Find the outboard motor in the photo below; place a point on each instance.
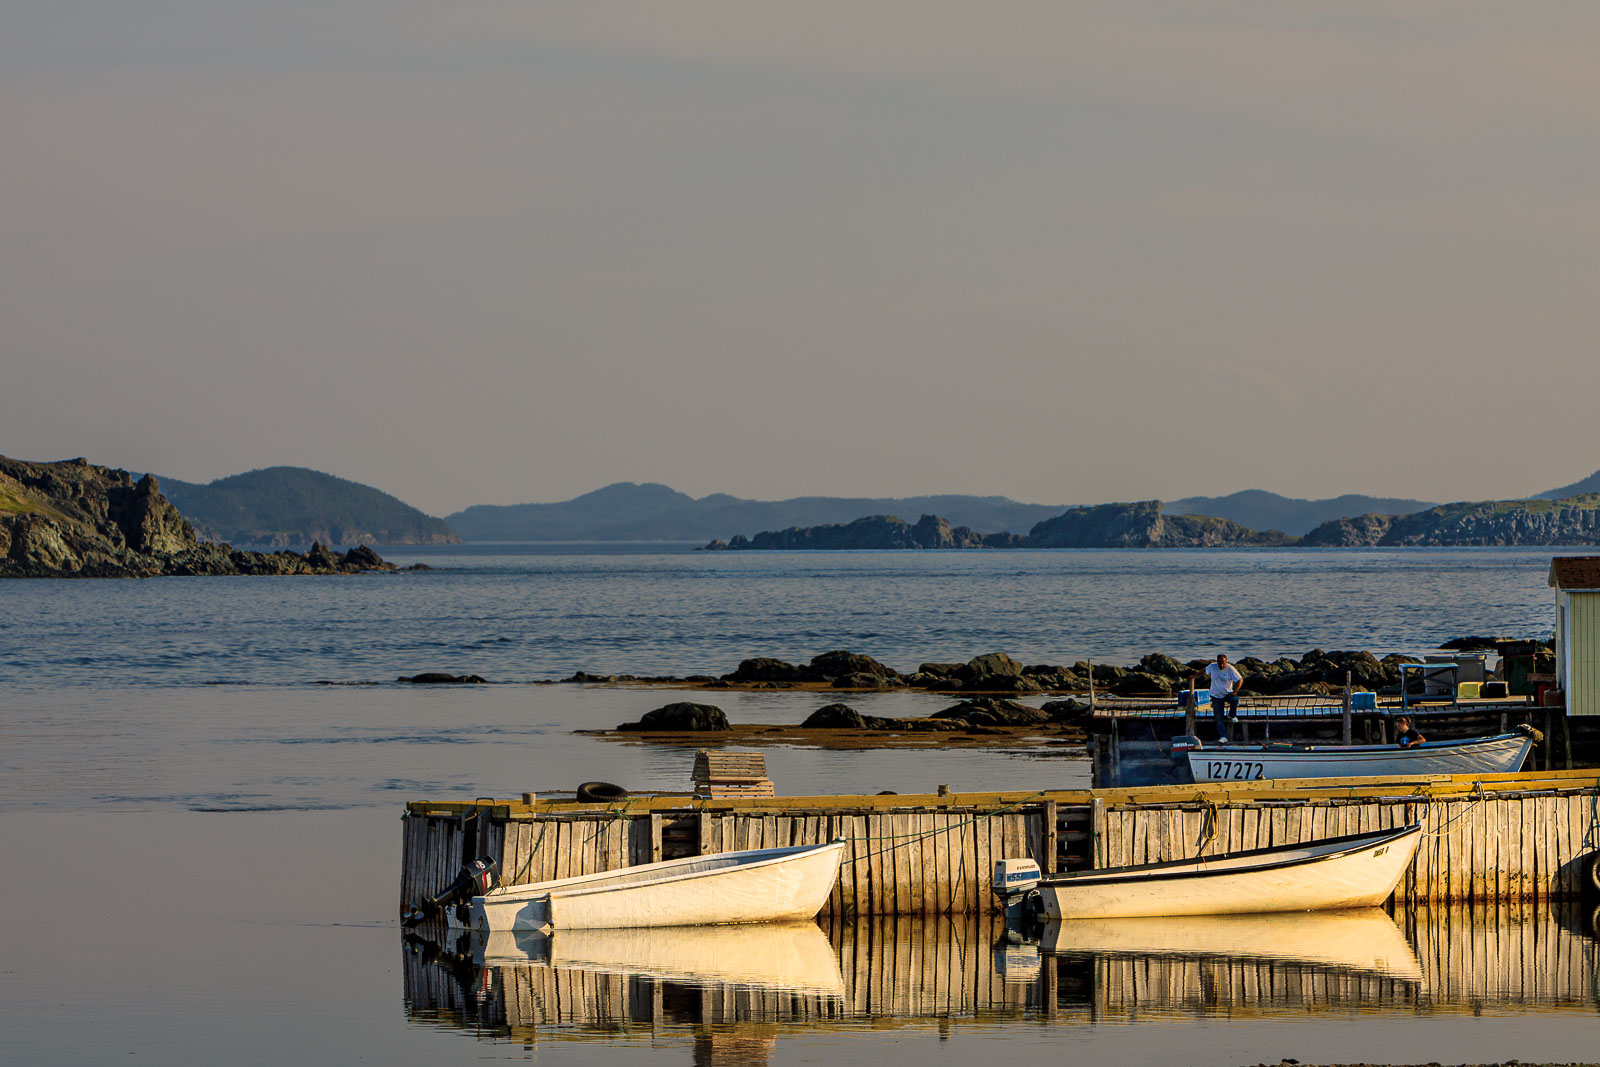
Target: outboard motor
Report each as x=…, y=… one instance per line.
x=476, y=878
x=1016, y=885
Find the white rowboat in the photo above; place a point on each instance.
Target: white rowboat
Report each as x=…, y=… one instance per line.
x=1501, y=754
x=1358, y=871
x=757, y=885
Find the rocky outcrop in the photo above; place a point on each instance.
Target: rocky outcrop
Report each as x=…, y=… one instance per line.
x=1140, y=525
x=835, y=717
x=1143, y=525
x=682, y=716
x=1573, y=521
x=990, y=711
x=871, y=532
x=74, y=519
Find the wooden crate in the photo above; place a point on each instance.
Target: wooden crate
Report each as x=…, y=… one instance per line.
x=731, y=774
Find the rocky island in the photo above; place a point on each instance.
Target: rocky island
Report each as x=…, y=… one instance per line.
x=1138, y=525
x=74, y=519
x=1569, y=521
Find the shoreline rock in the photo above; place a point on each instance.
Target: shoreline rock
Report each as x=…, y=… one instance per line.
x=1155, y=675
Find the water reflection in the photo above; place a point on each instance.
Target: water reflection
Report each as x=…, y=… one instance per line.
x=732, y=993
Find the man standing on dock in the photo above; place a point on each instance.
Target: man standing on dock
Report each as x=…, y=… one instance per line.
x=1225, y=683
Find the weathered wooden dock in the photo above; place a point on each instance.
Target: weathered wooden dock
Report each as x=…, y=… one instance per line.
x=1487, y=838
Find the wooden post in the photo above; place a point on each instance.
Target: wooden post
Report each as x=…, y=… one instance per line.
x=1097, y=831
x=1188, y=712
x=1566, y=739
x=1048, y=862
x=655, y=838
x=707, y=847
x=1091, y=685
x=1345, y=719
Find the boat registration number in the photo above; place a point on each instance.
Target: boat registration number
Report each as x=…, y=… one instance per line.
x=1234, y=770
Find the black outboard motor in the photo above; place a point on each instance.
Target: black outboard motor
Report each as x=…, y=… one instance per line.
x=476, y=878
x=1016, y=885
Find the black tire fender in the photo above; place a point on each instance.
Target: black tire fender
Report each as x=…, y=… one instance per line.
x=600, y=793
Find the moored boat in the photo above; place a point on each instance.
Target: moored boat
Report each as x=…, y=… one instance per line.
x=1500, y=754
x=756, y=885
x=1357, y=871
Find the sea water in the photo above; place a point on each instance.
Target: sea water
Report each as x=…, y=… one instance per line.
x=201, y=782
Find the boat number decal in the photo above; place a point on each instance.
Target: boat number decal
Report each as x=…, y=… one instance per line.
x=1236, y=770
x=1379, y=851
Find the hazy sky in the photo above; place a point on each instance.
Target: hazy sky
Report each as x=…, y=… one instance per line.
x=476, y=252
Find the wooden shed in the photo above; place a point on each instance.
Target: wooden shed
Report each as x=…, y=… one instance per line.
x=1576, y=580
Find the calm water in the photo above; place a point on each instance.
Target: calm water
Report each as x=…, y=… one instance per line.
x=203, y=839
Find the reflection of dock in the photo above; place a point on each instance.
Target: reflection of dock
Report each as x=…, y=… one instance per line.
x=916, y=971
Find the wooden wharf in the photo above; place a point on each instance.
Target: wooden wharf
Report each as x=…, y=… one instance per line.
x=1498, y=837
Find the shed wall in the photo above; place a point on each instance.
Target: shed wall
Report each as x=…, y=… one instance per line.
x=1582, y=653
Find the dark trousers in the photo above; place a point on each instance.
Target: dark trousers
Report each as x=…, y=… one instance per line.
x=1218, y=704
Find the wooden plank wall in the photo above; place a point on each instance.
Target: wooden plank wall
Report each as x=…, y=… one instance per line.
x=918, y=861
x=1499, y=847
x=899, y=862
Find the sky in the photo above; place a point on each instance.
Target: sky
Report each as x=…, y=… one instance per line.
x=489, y=253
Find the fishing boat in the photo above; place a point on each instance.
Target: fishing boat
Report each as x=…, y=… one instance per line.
x=756, y=885
x=1500, y=754
x=1356, y=871
x=776, y=956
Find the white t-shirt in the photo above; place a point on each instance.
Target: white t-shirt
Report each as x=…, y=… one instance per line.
x=1222, y=679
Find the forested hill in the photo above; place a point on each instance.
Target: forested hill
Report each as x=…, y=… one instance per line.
x=1584, y=487
x=281, y=506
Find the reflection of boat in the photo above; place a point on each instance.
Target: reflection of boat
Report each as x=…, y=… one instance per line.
x=756, y=885
x=1501, y=754
x=791, y=955
x=1357, y=871
x=1360, y=939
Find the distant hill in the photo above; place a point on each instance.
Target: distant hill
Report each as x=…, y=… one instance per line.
x=281, y=506
x=1588, y=485
x=627, y=511
x=1261, y=510
x=1571, y=521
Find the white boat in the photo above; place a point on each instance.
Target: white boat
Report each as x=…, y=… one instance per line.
x=1501, y=754
x=1363, y=940
x=757, y=885
x=1358, y=871
x=794, y=956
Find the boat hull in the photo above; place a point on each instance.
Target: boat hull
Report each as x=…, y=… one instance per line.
x=1355, y=872
x=759, y=885
x=1504, y=754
